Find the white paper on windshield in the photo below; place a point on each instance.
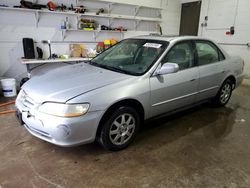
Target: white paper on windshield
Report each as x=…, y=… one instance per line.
x=152, y=45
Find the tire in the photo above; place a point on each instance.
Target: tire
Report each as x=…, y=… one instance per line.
x=120, y=129
x=224, y=93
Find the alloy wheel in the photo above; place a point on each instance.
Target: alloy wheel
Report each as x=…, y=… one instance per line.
x=225, y=93
x=122, y=129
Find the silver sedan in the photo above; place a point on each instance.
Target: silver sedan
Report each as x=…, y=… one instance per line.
x=108, y=98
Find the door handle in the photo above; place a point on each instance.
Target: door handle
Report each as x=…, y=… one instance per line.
x=192, y=80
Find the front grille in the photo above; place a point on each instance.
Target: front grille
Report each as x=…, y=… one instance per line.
x=26, y=101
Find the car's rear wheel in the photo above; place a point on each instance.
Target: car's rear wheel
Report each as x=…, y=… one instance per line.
x=120, y=128
x=224, y=93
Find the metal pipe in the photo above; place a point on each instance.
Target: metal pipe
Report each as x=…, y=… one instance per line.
x=235, y=44
x=217, y=29
x=7, y=112
x=7, y=103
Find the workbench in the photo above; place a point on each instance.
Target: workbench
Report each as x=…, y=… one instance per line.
x=41, y=62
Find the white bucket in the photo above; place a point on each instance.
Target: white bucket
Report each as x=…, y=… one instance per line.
x=9, y=87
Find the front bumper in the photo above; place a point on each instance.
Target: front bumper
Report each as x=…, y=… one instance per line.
x=60, y=131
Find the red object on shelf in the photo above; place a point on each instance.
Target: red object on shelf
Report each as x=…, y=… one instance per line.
x=100, y=47
x=52, y=6
x=101, y=44
x=228, y=33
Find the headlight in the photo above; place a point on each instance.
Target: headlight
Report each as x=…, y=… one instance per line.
x=64, y=110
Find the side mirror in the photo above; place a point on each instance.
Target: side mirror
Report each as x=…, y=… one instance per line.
x=167, y=68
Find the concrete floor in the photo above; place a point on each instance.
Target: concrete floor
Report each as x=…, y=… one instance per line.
x=202, y=147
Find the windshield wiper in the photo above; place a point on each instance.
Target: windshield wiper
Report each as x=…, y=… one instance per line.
x=94, y=63
x=87, y=61
x=110, y=68
x=118, y=70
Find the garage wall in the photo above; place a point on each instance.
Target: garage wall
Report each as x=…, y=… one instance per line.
x=15, y=26
x=222, y=14
x=171, y=15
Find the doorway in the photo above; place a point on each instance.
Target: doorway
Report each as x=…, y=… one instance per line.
x=190, y=15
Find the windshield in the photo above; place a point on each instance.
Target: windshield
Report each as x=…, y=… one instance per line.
x=131, y=56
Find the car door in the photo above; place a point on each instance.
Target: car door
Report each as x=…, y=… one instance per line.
x=176, y=90
x=211, y=69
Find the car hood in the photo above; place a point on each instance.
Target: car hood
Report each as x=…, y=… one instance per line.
x=65, y=83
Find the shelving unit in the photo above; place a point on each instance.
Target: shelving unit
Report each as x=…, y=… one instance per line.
x=110, y=17
x=91, y=14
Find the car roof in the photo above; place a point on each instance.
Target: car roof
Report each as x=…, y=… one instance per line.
x=176, y=38
x=169, y=38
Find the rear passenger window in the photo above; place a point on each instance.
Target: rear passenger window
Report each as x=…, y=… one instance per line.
x=181, y=54
x=221, y=56
x=207, y=53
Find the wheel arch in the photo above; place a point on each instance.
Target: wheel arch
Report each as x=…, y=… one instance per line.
x=125, y=102
x=232, y=79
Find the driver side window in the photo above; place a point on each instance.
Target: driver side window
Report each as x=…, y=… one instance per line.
x=181, y=54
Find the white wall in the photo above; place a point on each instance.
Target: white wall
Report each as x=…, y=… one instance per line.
x=223, y=14
x=171, y=15
x=15, y=26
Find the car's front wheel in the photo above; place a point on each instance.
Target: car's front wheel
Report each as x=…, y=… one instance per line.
x=120, y=128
